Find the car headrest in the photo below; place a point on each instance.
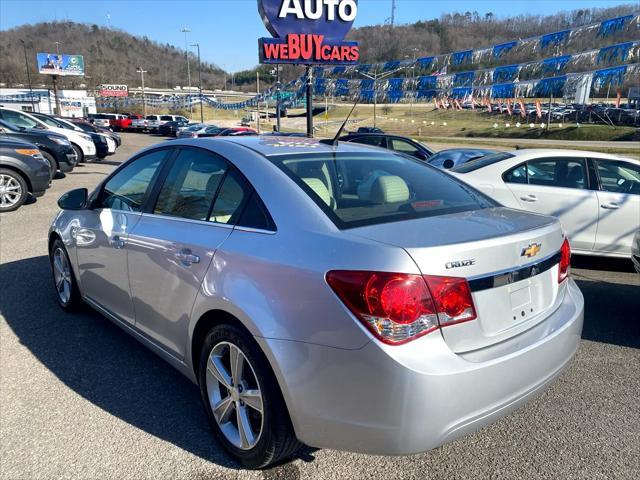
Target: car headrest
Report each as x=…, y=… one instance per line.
x=389, y=189
x=320, y=189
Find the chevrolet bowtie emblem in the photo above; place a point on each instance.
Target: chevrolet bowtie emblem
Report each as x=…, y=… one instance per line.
x=532, y=250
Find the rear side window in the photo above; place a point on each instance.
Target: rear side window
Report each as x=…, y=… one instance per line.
x=482, y=162
x=255, y=215
x=191, y=185
x=516, y=175
x=127, y=189
x=233, y=193
x=167, y=118
x=356, y=189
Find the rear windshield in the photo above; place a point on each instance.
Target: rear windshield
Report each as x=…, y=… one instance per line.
x=482, y=162
x=357, y=189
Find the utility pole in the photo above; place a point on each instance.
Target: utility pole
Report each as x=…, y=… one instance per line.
x=393, y=13
x=144, y=98
x=54, y=79
x=200, y=82
x=26, y=64
x=258, y=102
x=309, y=101
x=186, y=30
x=278, y=115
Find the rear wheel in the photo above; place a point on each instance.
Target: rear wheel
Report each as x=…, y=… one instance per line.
x=13, y=190
x=242, y=399
x=79, y=153
x=67, y=292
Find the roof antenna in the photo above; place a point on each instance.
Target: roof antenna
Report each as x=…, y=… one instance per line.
x=334, y=141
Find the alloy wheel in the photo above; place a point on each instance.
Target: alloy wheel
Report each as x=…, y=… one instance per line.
x=234, y=395
x=62, y=275
x=10, y=191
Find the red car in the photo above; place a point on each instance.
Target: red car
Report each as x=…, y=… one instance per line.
x=120, y=122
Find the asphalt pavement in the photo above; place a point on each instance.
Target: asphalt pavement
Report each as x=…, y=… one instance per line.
x=80, y=399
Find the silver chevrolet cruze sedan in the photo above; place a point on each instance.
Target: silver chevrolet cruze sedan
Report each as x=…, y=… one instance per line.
x=338, y=296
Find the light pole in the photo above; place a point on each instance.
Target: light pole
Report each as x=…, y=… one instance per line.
x=197, y=45
x=26, y=64
x=144, y=100
x=186, y=30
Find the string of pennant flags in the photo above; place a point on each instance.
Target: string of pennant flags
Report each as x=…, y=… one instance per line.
x=483, y=56
x=498, y=82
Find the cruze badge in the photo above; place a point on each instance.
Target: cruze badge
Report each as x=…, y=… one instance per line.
x=460, y=263
x=532, y=250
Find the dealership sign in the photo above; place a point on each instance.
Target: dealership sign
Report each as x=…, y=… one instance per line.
x=60, y=64
x=308, y=31
x=114, y=91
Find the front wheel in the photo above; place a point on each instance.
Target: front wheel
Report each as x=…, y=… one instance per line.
x=64, y=281
x=79, y=154
x=53, y=165
x=242, y=399
x=13, y=190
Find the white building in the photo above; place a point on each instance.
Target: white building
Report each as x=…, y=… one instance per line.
x=73, y=103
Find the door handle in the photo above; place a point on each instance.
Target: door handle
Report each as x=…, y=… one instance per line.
x=117, y=242
x=529, y=198
x=610, y=206
x=186, y=257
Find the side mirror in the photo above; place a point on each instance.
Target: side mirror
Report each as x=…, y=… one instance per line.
x=74, y=199
x=447, y=164
x=421, y=155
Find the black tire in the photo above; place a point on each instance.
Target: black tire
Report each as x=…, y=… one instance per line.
x=14, y=180
x=74, y=303
x=53, y=165
x=79, y=153
x=278, y=440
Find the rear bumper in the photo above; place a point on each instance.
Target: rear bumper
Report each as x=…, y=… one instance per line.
x=412, y=398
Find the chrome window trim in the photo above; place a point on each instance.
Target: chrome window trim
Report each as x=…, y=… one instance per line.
x=188, y=220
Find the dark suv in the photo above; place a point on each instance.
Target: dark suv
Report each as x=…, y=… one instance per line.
x=23, y=171
x=55, y=148
x=397, y=143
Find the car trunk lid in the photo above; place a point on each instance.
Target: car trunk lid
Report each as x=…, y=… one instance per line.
x=509, y=257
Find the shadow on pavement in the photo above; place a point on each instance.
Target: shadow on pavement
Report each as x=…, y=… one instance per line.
x=100, y=362
x=602, y=263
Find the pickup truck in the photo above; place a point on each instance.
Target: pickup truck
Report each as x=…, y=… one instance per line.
x=120, y=122
x=138, y=123
x=154, y=122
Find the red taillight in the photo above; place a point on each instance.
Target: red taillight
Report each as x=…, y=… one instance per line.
x=398, y=307
x=565, y=261
x=453, y=299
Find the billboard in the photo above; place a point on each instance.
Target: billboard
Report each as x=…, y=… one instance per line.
x=306, y=34
x=114, y=91
x=60, y=64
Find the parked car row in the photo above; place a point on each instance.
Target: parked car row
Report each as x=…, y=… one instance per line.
x=562, y=112
x=30, y=140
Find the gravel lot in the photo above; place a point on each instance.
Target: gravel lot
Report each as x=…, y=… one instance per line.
x=80, y=399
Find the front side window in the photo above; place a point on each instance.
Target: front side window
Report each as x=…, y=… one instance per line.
x=557, y=172
x=191, y=185
x=403, y=146
x=127, y=189
x=19, y=120
x=618, y=177
x=356, y=189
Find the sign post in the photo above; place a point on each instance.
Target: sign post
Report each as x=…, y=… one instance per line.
x=307, y=34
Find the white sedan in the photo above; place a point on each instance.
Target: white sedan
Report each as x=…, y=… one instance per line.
x=596, y=196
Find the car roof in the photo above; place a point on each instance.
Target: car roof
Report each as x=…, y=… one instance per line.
x=274, y=145
x=530, y=153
